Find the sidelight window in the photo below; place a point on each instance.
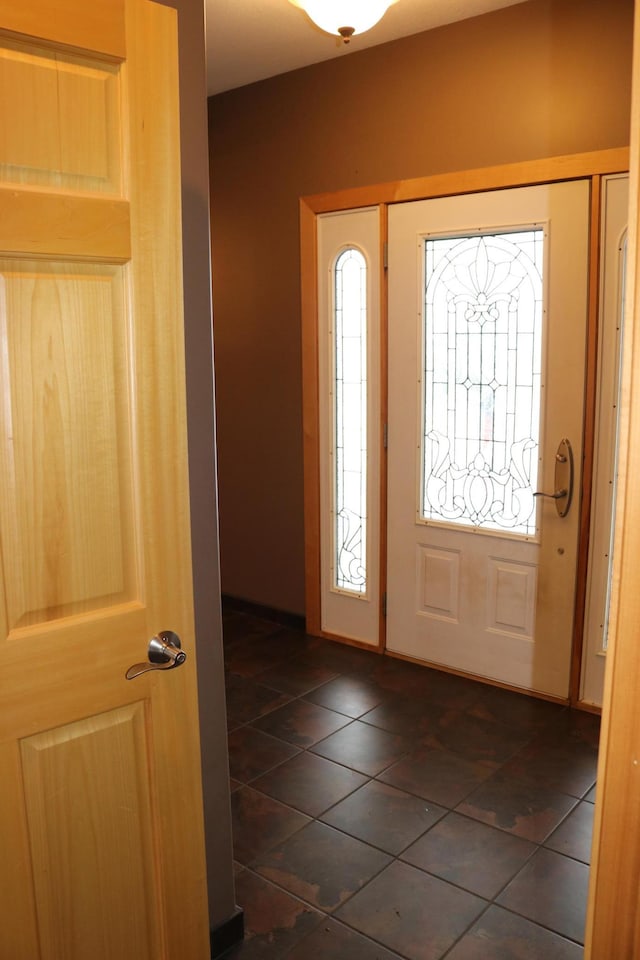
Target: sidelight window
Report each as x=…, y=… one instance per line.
x=350, y=421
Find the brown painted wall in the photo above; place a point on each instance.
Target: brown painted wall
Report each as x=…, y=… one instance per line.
x=542, y=78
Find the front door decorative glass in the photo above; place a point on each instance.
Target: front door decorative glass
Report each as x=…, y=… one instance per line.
x=350, y=422
x=482, y=355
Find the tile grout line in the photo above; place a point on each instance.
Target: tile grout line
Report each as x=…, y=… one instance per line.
x=535, y=732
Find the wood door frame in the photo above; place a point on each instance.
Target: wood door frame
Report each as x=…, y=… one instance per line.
x=592, y=166
x=613, y=916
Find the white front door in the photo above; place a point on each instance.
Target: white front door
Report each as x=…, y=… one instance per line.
x=487, y=322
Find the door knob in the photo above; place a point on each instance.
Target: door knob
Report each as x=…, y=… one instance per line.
x=164, y=653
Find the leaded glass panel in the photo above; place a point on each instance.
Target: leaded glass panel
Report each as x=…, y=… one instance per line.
x=482, y=378
x=350, y=417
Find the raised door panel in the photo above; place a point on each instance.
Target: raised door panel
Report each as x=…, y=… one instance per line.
x=73, y=138
x=65, y=469
x=89, y=814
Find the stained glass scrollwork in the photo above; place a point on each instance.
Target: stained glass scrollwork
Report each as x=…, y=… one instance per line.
x=350, y=421
x=482, y=356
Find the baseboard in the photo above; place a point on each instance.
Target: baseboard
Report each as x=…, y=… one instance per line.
x=235, y=605
x=227, y=935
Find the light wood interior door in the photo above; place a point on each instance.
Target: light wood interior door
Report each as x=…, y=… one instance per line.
x=100, y=810
x=487, y=313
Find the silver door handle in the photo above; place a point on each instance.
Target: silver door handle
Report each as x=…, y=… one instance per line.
x=164, y=653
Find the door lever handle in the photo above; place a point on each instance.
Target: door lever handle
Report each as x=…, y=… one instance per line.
x=558, y=495
x=563, y=479
x=164, y=653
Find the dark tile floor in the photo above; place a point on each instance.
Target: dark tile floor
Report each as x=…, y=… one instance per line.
x=383, y=810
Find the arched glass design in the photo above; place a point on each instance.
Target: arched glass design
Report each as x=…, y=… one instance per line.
x=483, y=312
x=350, y=422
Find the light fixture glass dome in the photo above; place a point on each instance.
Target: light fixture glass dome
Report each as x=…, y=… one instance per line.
x=345, y=17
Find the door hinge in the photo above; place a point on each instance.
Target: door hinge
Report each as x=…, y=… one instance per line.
x=385, y=435
x=384, y=604
x=385, y=255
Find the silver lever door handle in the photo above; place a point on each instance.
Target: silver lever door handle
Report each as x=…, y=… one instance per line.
x=164, y=653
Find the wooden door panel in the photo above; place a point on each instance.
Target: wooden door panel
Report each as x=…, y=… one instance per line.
x=79, y=793
x=99, y=25
x=73, y=139
x=101, y=808
x=66, y=474
x=58, y=225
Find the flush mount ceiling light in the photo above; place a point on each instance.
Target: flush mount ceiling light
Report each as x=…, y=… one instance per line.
x=344, y=17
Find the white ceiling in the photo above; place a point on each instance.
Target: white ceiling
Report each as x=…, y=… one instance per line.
x=249, y=40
